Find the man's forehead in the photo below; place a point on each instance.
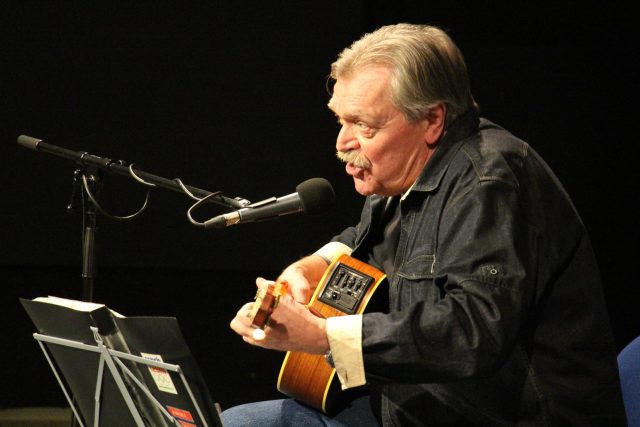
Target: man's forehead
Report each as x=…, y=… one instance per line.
x=337, y=93
x=370, y=84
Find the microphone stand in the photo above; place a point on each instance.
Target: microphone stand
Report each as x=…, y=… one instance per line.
x=94, y=181
x=90, y=178
x=91, y=175
x=120, y=167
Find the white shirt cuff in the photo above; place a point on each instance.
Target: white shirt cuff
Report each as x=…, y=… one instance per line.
x=332, y=250
x=345, y=339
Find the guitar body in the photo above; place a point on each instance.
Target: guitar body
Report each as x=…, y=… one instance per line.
x=345, y=288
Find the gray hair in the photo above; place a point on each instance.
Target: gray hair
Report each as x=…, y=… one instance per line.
x=427, y=66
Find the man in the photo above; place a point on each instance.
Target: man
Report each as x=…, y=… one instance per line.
x=496, y=315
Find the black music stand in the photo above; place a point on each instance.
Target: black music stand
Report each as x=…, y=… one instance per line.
x=117, y=370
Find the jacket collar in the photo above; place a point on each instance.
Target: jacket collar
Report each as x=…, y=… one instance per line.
x=464, y=126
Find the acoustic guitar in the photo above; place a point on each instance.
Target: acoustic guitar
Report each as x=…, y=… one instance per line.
x=346, y=287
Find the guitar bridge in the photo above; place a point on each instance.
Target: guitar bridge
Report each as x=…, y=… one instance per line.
x=346, y=288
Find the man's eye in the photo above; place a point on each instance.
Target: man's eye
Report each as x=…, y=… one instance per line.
x=362, y=125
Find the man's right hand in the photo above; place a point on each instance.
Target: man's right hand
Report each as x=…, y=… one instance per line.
x=303, y=276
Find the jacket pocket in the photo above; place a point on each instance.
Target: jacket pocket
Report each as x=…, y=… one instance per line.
x=414, y=282
x=420, y=267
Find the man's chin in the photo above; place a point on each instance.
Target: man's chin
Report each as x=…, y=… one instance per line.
x=362, y=187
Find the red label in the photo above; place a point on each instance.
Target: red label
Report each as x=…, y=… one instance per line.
x=180, y=413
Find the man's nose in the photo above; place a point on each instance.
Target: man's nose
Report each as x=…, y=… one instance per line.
x=346, y=139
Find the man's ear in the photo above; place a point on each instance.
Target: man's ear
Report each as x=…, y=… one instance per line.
x=435, y=124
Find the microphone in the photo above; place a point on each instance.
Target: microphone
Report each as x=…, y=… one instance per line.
x=312, y=196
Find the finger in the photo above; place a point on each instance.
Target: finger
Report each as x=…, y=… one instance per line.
x=300, y=294
x=245, y=308
x=261, y=282
x=241, y=323
x=252, y=341
x=290, y=302
x=245, y=311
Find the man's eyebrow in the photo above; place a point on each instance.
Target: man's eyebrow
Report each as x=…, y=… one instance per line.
x=350, y=116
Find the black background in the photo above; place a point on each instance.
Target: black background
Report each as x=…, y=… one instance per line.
x=231, y=96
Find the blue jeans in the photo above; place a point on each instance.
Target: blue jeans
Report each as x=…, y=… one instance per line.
x=288, y=412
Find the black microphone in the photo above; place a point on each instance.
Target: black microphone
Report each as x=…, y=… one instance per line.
x=312, y=196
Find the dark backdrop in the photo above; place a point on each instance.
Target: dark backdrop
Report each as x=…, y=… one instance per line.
x=231, y=96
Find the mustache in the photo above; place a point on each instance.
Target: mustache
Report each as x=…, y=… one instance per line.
x=355, y=157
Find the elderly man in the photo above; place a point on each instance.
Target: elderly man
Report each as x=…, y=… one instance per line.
x=496, y=315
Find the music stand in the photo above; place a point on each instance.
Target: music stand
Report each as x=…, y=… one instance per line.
x=104, y=380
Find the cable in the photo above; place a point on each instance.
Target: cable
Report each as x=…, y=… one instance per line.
x=102, y=211
x=198, y=203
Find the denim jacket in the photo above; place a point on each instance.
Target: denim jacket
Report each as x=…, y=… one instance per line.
x=496, y=313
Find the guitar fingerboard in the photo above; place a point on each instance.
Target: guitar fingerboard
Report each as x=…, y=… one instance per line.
x=346, y=288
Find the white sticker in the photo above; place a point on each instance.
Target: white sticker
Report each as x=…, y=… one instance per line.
x=160, y=376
